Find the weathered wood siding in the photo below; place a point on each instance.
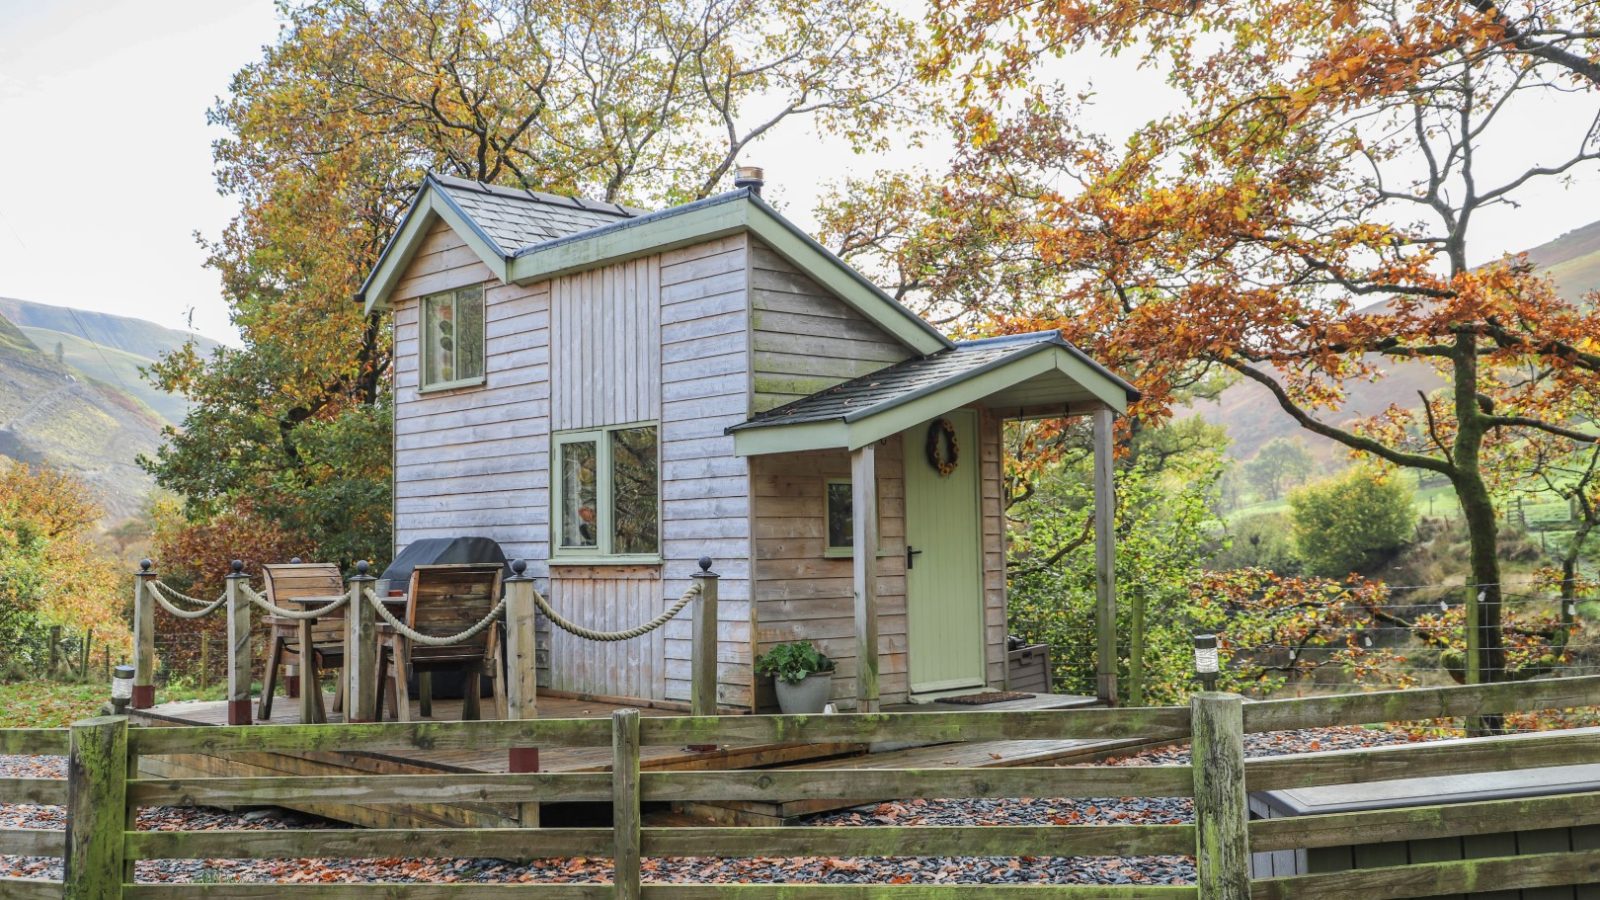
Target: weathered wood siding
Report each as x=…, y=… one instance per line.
x=803, y=339
x=659, y=338
x=705, y=504
x=605, y=348
x=805, y=595
x=474, y=461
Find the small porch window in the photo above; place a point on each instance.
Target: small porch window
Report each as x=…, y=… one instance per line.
x=839, y=518
x=451, y=339
x=605, y=495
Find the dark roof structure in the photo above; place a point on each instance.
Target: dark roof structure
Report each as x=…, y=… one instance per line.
x=903, y=382
x=514, y=219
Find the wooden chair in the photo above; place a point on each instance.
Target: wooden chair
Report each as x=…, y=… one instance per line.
x=298, y=582
x=444, y=600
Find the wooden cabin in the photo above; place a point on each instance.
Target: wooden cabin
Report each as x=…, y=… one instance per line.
x=612, y=394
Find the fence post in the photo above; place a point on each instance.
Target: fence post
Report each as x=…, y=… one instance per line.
x=522, y=674
x=97, y=778
x=144, y=638
x=625, y=801
x=1221, y=813
x=55, y=651
x=703, y=656
x=238, y=645
x=361, y=647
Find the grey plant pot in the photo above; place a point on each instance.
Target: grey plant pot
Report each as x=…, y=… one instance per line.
x=806, y=698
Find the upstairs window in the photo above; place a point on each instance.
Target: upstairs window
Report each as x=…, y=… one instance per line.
x=452, y=339
x=606, y=494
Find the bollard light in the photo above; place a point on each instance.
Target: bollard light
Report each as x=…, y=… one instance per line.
x=121, y=688
x=1205, y=660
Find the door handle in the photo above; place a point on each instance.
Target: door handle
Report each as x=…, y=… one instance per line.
x=911, y=556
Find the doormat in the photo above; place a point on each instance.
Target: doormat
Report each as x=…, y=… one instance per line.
x=986, y=697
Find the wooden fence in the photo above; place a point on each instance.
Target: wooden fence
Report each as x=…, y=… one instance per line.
x=100, y=849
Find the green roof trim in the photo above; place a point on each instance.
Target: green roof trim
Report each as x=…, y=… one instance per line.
x=430, y=205
x=719, y=216
x=735, y=212
x=893, y=409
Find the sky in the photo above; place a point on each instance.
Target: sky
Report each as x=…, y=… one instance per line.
x=105, y=153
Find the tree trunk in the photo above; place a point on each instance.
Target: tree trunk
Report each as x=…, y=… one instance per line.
x=1477, y=508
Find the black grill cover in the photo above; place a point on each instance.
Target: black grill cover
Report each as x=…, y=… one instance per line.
x=440, y=551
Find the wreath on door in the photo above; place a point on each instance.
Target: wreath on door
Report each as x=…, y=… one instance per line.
x=943, y=449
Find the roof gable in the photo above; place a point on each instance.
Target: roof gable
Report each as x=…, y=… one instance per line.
x=525, y=236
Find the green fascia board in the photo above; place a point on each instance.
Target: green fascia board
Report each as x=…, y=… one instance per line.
x=821, y=265
x=862, y=427
x=629, y=239
x=716, y=217
x=431, y=205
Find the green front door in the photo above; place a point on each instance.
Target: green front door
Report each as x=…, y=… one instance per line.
x=944, y=581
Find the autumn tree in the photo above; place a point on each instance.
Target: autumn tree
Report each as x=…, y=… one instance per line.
x=49, y=574
x=327, y=134
x=1303, y=220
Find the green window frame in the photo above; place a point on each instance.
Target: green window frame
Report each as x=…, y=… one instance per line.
x=605, y=494
x=450, y=339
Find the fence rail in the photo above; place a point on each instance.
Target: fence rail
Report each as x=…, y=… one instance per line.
x=100, y=849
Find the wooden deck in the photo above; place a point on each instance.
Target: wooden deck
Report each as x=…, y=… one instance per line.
x=596, y=759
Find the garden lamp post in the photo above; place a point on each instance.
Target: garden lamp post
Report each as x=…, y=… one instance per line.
x=121, y=688
x=1205, y=660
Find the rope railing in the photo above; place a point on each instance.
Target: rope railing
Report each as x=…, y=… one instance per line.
x=158, y=589
x=591, y=634
x=433, y=640
x=334, y=605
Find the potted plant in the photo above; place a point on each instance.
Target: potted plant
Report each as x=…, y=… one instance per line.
x=802, y=675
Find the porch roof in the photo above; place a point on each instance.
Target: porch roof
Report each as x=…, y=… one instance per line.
x=1027, y=373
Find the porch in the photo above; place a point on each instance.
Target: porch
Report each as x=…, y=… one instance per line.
x=879, y=514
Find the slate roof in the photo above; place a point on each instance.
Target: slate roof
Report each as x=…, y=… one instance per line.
x=905, y=381
x=515, y=219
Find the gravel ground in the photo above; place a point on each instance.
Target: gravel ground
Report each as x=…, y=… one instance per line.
x=985, y=870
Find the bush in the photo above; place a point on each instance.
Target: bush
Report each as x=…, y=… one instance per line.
x=1259, y=542
x=792, y=662
x=1352, y=523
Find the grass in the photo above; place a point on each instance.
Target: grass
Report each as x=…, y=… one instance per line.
x=49, y=704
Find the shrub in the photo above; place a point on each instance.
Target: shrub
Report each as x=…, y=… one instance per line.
x=1351, y=523
x=793, y=661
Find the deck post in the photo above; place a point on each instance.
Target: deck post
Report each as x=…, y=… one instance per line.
x=360, y=651
x=238, y=645
x=97, y=779
x=522, y=674
x=1221, y=813
x=1105, y=558
x=703, y=655
x=864, y=531
x=144, y=637
x=625, y=813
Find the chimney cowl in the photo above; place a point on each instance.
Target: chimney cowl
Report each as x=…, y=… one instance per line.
x=751, y=177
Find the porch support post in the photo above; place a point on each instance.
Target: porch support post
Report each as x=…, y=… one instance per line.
x=522, y=674
x=1105, y=558
x=864, y=509
x=239, y=664
x=144, y=637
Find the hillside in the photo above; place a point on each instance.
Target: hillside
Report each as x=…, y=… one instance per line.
x=125, y=333
x=1252, y=417
x=71, y=395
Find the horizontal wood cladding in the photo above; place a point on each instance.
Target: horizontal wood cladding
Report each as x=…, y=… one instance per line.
x=605, y=345
x=705, y=503
x=803, y=594
x=663, y=338
x=803, y=339
x=473, y=461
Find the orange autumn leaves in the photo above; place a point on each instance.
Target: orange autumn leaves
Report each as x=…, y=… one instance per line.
x=49, y=569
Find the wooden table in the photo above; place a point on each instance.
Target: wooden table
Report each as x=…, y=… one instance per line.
x=312, y=708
